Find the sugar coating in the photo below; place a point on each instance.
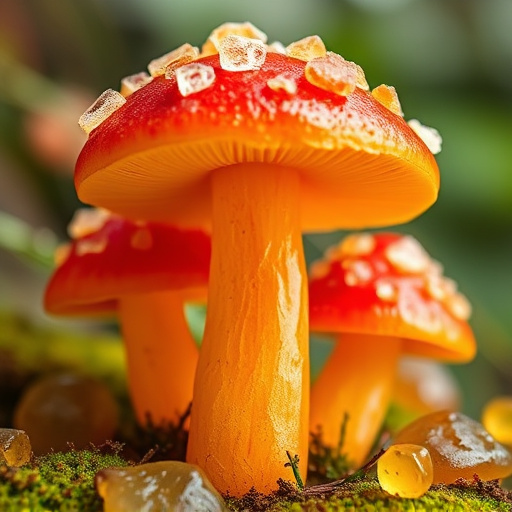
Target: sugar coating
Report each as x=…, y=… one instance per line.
x=407, y=255
x=86, y=221
x=194, y=77
x=132, y=83
x=106, y=104
x=386, y=95
x=430, y=136
x=307, y=49
x=238, y=53
x=283, y=82
x=182, y=55
x=95, y=245
x=246, y=29
x=332, y=73
x=276, y=47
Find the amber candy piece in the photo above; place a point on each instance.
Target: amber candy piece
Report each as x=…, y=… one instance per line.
x=66, y=408
x=497, y=419
x=405, y=470
x=459, y=446
x=15, y=448
x=158, y=486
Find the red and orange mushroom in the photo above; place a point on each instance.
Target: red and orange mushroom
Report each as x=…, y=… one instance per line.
x=144, y=273
x=261, y=146
x=383, y=296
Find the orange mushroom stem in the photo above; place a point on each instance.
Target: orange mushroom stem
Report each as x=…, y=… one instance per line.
x=382, y=296
x=261, y=318
x=144, y=273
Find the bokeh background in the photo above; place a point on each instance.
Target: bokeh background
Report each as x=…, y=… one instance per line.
x=450, y=61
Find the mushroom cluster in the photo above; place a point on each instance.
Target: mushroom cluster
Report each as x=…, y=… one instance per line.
x=256, y=143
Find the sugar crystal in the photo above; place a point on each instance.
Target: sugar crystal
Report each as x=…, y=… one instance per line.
x=276, y=47
x=86, y=221
x=107, y=103
x=430, y=136
x=284, y=83
x=132, y=83
x=307, y=49
x=194, y=77
x=386, y=95
x=15, y=448
x=407, y=255
x=332, y=73
x=238, y=53
x=247, y=29
x=182, y=55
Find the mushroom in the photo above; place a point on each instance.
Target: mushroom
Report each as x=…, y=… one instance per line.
x=260, y=146
x=382, y=296
x=143, y=272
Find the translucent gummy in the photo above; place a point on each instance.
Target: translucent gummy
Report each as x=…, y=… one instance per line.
x=107, y=103
x=284, y=83
x=15, y=448
x=497, y=419
x=194, y=77
x=246, y=29
x=387, y=96
x=405, y=470
x=238, y=53
x=332, y=73
x=182, y=55
x=307, y=49
x=165, y=485
x=132, y=83
x=430, y=136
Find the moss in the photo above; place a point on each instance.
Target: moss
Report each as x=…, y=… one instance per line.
x=367, y=496
x=59, y=482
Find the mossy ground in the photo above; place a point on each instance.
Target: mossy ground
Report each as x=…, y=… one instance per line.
x=65, y=481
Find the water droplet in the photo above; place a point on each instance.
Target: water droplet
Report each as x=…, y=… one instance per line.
x=386, y=95
x=430, y=136
x=132, y=83
x=247, y=29
x=283, y=82
x=182, y=55
x=238, y=53
x=307, y=49
x=332, y=73
x=194, y=77
x=106, y=104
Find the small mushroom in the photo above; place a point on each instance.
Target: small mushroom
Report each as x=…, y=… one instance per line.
x=382, y=296
x=143, y=272
x=260, y=146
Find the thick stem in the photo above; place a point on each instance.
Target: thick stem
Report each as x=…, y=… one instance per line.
x=161, y=354
x=251, y=393
x=357, y=380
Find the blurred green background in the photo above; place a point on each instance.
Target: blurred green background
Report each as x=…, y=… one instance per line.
x=450, y=61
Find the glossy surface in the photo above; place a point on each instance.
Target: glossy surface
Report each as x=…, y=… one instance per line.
x=251, y=395
x=459, y=447
x=66, y=408
x=386, y=284
x=497, y=419
x=15, y=447
x=358, y=381
x=360, y=163
x=405, y=470
x=167, y=486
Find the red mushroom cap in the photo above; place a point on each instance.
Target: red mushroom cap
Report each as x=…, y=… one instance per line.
x=121, y=257
x=386, y=284
x=360, y=163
